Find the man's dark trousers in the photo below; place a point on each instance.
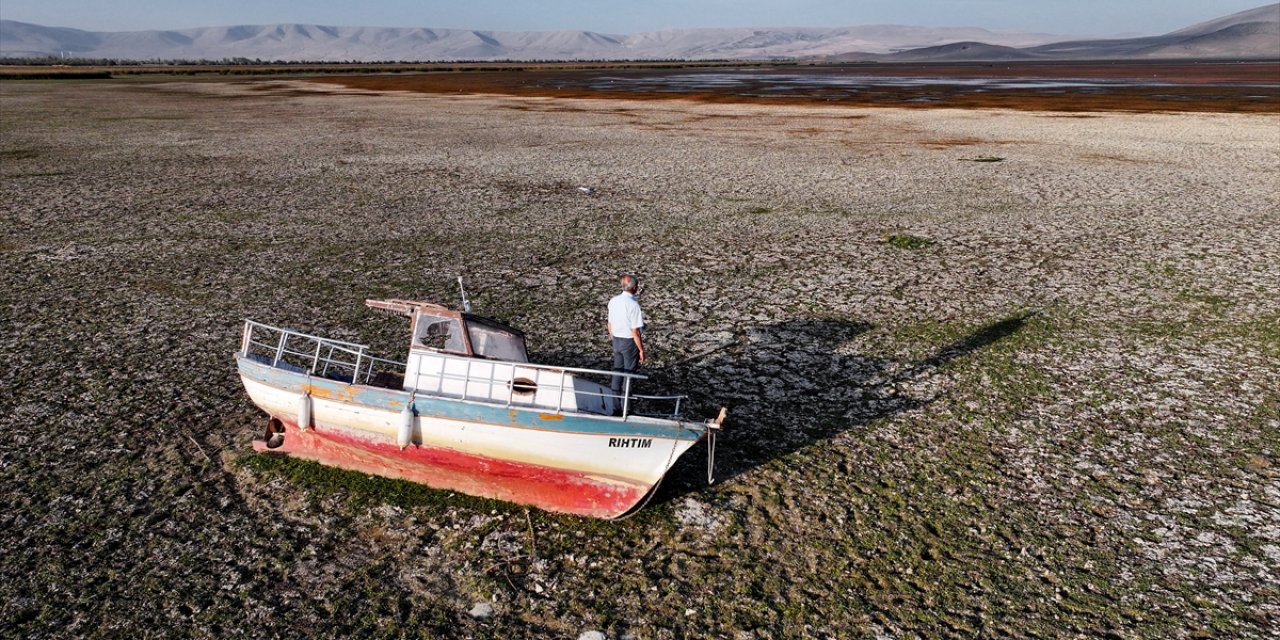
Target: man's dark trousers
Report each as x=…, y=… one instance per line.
x=626, y=357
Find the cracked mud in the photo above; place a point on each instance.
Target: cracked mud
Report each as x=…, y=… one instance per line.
x=1047, y=408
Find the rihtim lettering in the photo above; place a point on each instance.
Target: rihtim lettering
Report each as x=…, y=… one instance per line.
x=630, y=443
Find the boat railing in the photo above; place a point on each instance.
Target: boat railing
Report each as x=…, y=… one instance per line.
x=480, y=379
x=314, y=355
x=487, y=380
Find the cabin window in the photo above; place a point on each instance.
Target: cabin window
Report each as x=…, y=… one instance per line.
x=437, y=332
x=498, y=343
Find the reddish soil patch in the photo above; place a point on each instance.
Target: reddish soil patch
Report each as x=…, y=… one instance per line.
x=1252, y=87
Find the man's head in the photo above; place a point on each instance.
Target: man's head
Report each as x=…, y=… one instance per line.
x=629, y=283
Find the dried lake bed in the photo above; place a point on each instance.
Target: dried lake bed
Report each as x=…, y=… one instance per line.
x=990, y=373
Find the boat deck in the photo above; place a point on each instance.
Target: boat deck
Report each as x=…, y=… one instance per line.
x=469, y=378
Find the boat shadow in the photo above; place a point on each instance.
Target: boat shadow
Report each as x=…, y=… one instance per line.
x=791, y=384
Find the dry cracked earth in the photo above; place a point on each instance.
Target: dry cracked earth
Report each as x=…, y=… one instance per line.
x=990, y=374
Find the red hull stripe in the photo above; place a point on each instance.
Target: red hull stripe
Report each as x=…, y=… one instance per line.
x=539, y=486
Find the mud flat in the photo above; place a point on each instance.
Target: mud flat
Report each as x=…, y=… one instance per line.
x=991, y=373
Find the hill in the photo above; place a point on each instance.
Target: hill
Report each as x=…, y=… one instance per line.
x=296, y=42
x=1253, y=34
x=1249, y=34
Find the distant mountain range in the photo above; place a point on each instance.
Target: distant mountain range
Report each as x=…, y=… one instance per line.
x=1253, y=34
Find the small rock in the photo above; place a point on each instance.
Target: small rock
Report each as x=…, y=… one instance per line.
x=592, y=635
x=481, y=611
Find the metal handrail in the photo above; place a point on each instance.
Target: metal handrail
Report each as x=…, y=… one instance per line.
x=361, y=367
x=328, y=359
x=466, y=379
x=363, y=363
x=544, y=367
x=253, y=324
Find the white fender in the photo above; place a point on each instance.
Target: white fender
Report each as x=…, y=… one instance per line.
x=304, y=411
x=405, y=435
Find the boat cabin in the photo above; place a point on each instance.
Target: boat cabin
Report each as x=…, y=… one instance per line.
x=461, y=355
x=442, y=329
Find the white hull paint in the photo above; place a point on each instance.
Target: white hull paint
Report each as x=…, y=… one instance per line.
x=585, y=453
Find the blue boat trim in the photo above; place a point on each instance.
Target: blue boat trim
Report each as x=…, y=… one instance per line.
x=469, y=411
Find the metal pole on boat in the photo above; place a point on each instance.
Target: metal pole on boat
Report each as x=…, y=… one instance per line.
x=247, y=338
x=284, y=337
x=626, y=395
x=511, y=382
x=466, y=304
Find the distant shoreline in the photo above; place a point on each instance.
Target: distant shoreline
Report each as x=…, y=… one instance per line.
x=1222, y=87
x=1246, y=86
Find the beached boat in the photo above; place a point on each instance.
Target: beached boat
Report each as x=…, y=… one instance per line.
x=466, y=411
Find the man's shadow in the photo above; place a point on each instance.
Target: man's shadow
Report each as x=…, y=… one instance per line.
x=787, y=386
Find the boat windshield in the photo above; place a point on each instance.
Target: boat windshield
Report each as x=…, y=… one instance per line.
x=439, y=332
x=498, y=343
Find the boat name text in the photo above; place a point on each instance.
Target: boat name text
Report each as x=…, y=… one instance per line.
x=631, y=443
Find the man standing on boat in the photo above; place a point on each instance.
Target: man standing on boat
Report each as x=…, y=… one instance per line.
x=626, y=329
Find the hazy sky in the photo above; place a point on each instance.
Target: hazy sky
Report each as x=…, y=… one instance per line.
x=1074, y=17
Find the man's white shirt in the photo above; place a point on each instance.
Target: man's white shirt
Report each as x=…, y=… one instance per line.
x=625, y=315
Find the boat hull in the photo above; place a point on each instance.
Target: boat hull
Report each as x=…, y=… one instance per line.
x=572, y=463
